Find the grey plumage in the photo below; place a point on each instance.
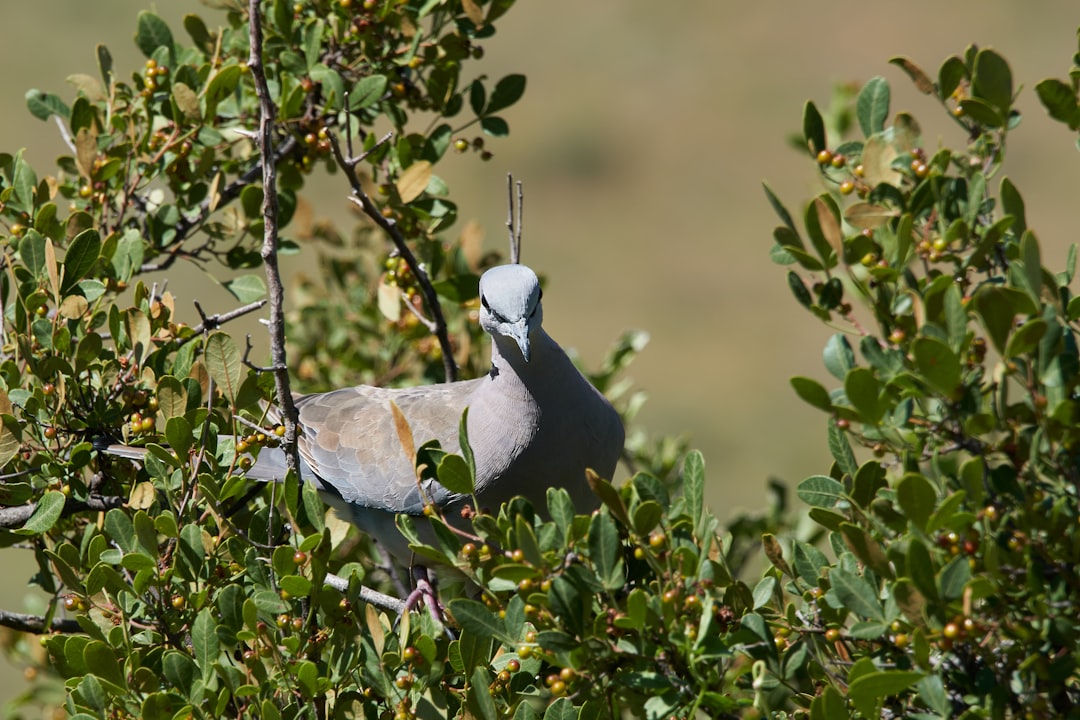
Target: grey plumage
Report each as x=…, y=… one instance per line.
x=534, y=422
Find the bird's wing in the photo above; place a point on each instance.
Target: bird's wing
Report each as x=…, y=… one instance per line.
x=352, y=443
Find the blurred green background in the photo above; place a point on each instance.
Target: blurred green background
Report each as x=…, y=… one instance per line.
x=642, y=140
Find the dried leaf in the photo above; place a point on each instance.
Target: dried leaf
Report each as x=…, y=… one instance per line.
x=414, y=181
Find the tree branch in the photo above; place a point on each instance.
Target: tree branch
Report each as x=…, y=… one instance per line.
x=231, y=192
x=36, y=623
x=16, y=516
x=431, y=299
x=275, y=290
x=371, y=597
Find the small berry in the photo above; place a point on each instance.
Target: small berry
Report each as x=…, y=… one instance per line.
x=832, y=635
x=847, y=187
x=838, y=161
x=299, y=557
x=951, y=631
x=178, y=602
x=824, y=157
x=461, y=145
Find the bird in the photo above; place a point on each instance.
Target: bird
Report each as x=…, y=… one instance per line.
x=534, y=422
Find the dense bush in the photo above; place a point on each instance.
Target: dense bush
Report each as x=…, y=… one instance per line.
x=934, y=577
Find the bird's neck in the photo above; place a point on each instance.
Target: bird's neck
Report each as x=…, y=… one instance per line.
x=546, y=359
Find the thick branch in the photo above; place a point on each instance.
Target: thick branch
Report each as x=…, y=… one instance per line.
x=36, y=624
x=16, y=516
x=361, y=199
x=267, y=113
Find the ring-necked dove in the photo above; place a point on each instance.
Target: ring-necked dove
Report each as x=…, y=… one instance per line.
x=534, y=422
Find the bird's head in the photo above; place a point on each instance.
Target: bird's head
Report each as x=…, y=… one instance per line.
x=510, y=304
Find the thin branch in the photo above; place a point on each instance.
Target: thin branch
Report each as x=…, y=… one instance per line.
x=36, y=623
x=380, y=600
x=514, y=220
x=17, y=515
x=231, y=192
x=267, y=113
x=213, y=322
x=361, y=200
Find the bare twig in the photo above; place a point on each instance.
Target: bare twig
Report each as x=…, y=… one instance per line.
x=213, y=322
x=187, y=224
x=514, y=220
x=36, y=623
x=17, y=515
x=275, y=290
x=361, y=200
x=371, y=597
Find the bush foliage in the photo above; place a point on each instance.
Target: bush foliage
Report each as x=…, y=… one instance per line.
x=933, y=576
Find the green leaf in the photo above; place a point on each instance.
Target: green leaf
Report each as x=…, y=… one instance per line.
x=821, y=491
x=223, y=363
x=910, y=601
x=808, y=561
x=605, y=551
x=917, y=498
x=151, y=33
x=101, y=660
x=475, y=618
x=937, y=364
x=953, y=577
x=982, y=113
x=204, y=642
x=43, y=105
x=920, y=568
x=46, y=513
x=367, y=91
x=507, y=92
x=458, y=288
x=569, y=603
x=1026, y=338
x=856, y=594
x=453, y=473
x=812, y=392
x=779, y=209
x=1060, y=101
x=813, y=133
x=179, y=670
x=872, y=105
x=997, y=306
x=992, y=80
x=246, y=288
x=864, y=392
x=494, y=126
x=798, y=289
x=866, y=691
x=840, y=448
x=1012, y=203
x=693, y=478
x=222, y=84
x=32, y=252
x=561, y=709
x=951, y=73
x=763, y=591
x=81, y=257
x=838, y=356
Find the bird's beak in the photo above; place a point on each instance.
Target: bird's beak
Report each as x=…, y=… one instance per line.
x=520, y=332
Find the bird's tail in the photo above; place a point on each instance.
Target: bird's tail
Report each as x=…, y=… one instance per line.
x=270, y=466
